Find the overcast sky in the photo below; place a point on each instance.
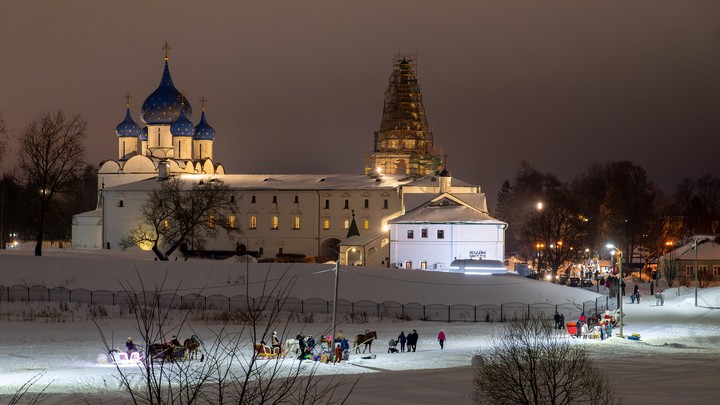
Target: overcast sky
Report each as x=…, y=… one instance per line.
x=297, y=86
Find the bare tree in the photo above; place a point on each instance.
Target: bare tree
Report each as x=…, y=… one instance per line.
x=52, y=149
x=532, y=363
x=670, y=269
x=560, y=231
x=174, y=215
x=3, y=133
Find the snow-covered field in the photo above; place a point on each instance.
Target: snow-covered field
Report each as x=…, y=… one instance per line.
x=676, y=360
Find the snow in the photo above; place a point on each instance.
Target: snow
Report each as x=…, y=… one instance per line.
x=674, y=362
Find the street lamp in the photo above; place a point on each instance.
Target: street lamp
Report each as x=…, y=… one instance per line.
x=334, y=315
x=620, y=301
x=695, y=246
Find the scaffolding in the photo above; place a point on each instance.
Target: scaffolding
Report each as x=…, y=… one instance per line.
x=404, y=143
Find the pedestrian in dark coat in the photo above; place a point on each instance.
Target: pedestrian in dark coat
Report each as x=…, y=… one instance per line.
x=622, y=287
x=652, y=288
x=441, y=338
x=402, y=339
x=301, y=341
x=412, y=341
x=558, y=325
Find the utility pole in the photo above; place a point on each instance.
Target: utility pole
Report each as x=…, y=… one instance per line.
x=334, y=315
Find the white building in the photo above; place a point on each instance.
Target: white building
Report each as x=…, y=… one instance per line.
x=297, y=214
x=445, y=228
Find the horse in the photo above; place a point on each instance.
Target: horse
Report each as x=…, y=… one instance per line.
x=165, y=351
x=191, y=346
x=292, y=346
x=365, y=339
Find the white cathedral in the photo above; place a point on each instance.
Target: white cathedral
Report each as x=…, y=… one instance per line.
x=405, y=211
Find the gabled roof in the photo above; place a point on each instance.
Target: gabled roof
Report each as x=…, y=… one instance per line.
x=707, y=249
x=447, y=208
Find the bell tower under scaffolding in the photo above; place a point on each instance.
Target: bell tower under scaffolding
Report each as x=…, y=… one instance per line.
x=404, y=143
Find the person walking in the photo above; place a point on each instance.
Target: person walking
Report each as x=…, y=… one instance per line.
x=558, y=325
x=662, y=297
x=441, y=338
x=402, y=339
x=657, y=299
x=652, y=288
x=622, y=287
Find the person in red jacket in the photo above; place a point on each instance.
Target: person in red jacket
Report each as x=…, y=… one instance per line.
x=441, y=338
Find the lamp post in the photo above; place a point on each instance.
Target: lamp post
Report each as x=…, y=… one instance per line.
x=620, y=301
x=334, y=316
x=696, y=269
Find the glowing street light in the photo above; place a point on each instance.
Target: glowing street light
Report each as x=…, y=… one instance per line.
x=539, y=205
x=620, y=301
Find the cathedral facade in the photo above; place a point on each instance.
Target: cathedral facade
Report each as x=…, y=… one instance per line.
x=279, y=214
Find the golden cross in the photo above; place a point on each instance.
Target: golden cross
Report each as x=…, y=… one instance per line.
x=127, y=98
x=166, y=48
x=202, y=103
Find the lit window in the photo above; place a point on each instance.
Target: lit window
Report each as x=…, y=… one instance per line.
x=275, y=222
x=440, y=234
x=346, y=224
x=408, y=265
x=253, y=222
x=211, y=221
x=326, y=224
x=423, y=233
x=410, y=234
x=366, y=224
x=296, y=222
x=423, y=265
x=231, y=221
x=166, y=224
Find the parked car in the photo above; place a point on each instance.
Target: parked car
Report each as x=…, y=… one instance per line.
x=562, y=279
x=573, y=282
x=586, y=282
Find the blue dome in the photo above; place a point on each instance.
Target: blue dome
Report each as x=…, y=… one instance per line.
x=143, y=134
x=203, y=131
x=182, y=126
x=128, y=128
x=164, y=104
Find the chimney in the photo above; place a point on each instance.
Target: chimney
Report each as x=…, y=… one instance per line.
x=163, y=170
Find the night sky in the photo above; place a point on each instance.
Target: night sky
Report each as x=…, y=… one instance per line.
x=297, y=86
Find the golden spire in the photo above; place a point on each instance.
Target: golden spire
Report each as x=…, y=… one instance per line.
x=202, y=103
x=166, y=48
x=127, y=98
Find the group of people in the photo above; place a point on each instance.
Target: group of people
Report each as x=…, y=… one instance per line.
x=595, y=325
x=410, y=340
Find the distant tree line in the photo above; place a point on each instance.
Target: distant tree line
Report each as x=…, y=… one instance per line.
x=51, y=182
x=613, y=203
